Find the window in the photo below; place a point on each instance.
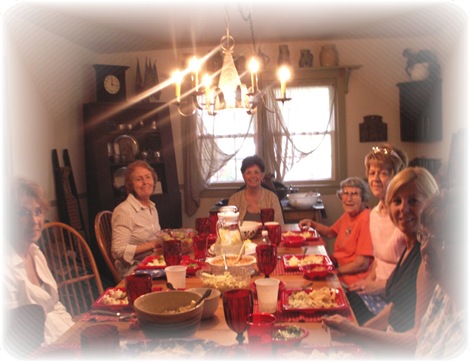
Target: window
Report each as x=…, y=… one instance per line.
x=313, y=117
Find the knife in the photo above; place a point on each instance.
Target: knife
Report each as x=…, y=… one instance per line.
x=110, y=313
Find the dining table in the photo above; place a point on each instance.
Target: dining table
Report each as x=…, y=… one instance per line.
x=215, y=329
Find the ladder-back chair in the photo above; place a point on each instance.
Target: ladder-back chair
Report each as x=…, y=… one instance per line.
x=103, y=233
x=73, y=266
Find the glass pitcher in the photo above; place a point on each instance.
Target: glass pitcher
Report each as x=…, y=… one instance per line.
x=229, y=238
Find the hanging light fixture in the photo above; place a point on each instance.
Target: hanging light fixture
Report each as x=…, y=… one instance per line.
x=230, y=93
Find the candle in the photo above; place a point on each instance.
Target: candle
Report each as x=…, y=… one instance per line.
x=253, y=65
x=177, y=79
x=284, y=75
x=206, y=81
x=194, y=67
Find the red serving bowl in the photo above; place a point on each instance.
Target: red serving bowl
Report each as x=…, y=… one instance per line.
x=288, y=339
x=312, y=271
x=293, y=241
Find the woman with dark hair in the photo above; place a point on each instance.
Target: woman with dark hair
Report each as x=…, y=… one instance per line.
x=135, y=222
x=352, y=252
x=254, y=197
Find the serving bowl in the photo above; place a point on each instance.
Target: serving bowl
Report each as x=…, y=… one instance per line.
x=288, y=335
x=210, y=303
x=158, y=313
x=293, y=241
x=312, y=271
x=249, y=229
x=225, y=280
x=303, y=200
x=217, y=263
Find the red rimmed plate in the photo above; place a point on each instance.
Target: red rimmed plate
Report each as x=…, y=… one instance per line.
x=293, y=241
x=337, y=297
x=104, y=302
x=282, y=286
x=287, y=335
x=192, y=265
x=309, y=235
x=152, y=262
x=323, y=260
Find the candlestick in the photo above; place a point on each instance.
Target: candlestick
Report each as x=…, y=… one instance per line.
x=254, y=68
x=284, y=75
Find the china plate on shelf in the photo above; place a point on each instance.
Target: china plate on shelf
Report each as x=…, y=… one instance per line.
x=126, y=148
x=323, y=260
x=320, y=295
x=118, y=177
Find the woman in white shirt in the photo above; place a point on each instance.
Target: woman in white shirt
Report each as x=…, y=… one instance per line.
x=27, y=278
x=135, y=222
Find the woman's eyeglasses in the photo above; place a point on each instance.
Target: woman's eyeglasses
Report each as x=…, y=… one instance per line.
x=347, y=194
x=423, y=238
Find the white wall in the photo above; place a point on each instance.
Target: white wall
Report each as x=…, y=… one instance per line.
x=48, y=79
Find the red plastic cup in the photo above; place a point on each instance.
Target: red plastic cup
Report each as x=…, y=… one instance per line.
x=172, y=251
x=274, y=232
x=137, y=285
x=200, y=246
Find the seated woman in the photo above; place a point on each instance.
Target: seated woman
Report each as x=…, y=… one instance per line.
x=27, y=278
x=366, y=297
x=407, y=195
x=254, y=196
x=135, y=223
x=353, y=251
x=440, y=334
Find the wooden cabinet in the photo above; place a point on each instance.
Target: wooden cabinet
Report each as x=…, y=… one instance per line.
x=115, y=135
x=420, y=111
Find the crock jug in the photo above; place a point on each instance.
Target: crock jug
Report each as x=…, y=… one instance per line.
x=229, y=237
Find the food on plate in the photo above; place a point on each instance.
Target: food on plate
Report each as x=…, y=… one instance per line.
x=224, y=281
x=308, y=259
x=180, y=309
x=306, y=234
x=316, y=298
x=287, y=332
x=157, y=261
x=115, y=297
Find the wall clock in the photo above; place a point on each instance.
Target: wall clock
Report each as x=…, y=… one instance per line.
x=110, y=82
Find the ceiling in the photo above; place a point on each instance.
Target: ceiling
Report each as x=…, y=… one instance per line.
x=128, y=26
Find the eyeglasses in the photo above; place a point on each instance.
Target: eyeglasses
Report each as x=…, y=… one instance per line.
x=423, y=239
x=23, y=213
x=386, y=151
x=345, y=194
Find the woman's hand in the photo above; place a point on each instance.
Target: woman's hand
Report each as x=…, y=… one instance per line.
x=306, y=224
x=341, y=328
x=366, y=287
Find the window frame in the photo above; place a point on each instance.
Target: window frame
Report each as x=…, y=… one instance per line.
x=337, y=76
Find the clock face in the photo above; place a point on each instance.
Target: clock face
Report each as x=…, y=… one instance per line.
x=112, y=84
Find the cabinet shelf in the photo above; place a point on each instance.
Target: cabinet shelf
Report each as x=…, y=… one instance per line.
x=148, y=130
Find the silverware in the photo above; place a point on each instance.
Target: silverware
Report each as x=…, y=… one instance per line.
x=225, y=262
x=170, y=286
x=307, y=286
x=121, y=316
x=204, y=296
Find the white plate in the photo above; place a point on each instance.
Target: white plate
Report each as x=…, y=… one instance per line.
x=118, y=178
x=126, y=148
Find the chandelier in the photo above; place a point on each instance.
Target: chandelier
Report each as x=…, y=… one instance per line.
x=230, y=92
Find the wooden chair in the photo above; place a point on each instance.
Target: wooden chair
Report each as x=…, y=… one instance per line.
x=103, y=232
x=73, y=266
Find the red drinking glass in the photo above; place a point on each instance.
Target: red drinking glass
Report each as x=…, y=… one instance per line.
x=238, y=305
x=213, y=218
x=274, y=232
x=266, y=258
x=203, y=225
x=137, y=285
x=200, y=246
x=172, y=251
x=260, y=332
x=266, y=215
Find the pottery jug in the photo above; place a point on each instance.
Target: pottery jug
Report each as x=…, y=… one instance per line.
x=306, y=58
x=229, y=238
x=328, y=56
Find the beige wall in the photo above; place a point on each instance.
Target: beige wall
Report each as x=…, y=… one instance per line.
x=47, y=79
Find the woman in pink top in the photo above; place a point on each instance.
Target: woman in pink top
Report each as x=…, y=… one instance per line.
x=382, y=163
